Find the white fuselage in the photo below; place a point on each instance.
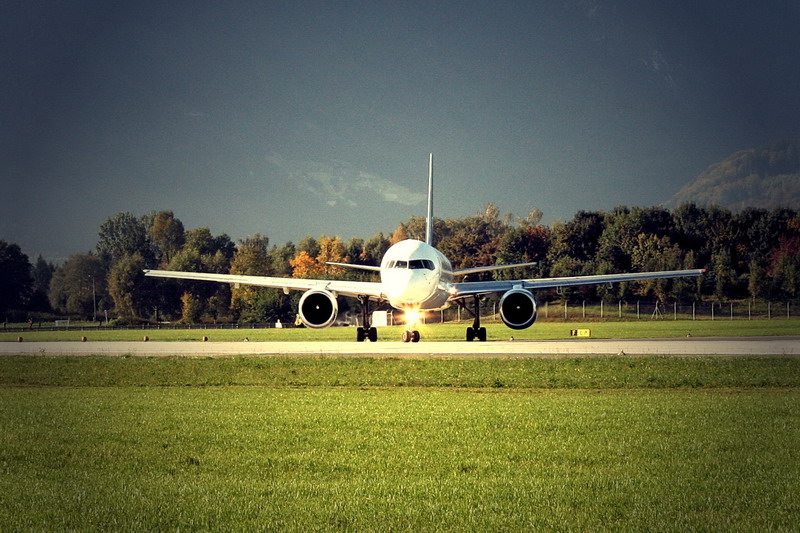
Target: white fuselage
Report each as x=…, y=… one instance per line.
x=415, y=275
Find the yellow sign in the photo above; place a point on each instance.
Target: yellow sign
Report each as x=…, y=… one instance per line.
x=580, y=333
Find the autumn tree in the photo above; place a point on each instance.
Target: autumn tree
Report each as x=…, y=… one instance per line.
x=305, y=266
x=331, y=249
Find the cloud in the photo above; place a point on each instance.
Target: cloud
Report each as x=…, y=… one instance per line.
x=657, y=64
x=341, y=183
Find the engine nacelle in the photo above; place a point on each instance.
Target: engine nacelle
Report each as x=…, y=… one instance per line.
x=518, y=309
x=318, y=308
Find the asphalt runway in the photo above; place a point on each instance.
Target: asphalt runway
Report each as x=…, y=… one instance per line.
x=748, y=346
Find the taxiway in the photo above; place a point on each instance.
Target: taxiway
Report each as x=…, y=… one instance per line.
x=750, y=346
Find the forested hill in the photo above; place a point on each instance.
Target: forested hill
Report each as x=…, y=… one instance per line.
x=765, y=177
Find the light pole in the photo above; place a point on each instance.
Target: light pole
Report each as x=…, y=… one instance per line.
x=94, y=302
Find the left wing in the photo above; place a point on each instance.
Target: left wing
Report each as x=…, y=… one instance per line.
x=491, y=268
x=345, y=288
x=470, y=288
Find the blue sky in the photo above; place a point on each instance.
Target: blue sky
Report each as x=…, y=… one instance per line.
x=303, y=118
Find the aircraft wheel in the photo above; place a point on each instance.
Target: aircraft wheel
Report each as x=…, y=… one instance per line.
x=481, y=334
x=406, y=336
x=372, y=335
x=360, y=335
x=415, y=336
x=470, y=334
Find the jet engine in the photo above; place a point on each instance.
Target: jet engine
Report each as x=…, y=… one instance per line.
x=518, y=309
x=318, y=308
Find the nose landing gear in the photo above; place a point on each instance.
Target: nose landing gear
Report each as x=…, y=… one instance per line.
x=411, y=336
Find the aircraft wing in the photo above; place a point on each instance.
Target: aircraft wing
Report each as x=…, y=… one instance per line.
x=459, y=290
x=474, y=270
x=344, y=288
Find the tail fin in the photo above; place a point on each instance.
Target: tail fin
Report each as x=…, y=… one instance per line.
x=429, y=219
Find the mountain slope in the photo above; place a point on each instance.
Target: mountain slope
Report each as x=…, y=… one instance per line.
x=765, y=177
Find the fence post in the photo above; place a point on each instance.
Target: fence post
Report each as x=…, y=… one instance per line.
x=694, y=310
x=584, y=309
x=601, y=308
x=619, y=304
x=712, y=311
x=769, y=310
x=637, y=310
x=565, y=309
x=674, y=310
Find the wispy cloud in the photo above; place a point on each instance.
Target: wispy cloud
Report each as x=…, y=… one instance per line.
x=341, y=183
x=658, y=65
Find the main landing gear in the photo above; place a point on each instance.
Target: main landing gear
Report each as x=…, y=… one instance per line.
x=476, y=331
x=366, y=331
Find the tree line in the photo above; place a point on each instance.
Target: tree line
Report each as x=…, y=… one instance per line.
x=751, y=254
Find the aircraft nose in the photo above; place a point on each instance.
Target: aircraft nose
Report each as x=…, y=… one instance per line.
x=417, y=288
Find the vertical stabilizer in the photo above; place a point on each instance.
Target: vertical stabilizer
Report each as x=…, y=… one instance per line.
x=429, y=219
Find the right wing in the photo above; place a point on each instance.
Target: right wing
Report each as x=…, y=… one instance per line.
x=469, y=288
x=345, y=288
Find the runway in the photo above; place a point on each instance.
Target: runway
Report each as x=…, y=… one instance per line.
x=748, y=346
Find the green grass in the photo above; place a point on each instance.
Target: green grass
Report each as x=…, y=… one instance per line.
x=413, y=459
x=589, y=373
x=440, y=332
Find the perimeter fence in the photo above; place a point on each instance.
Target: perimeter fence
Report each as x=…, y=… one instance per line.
x=626, y=310
x=555, y=311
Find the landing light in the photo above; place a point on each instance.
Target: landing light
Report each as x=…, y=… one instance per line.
x=413, y=316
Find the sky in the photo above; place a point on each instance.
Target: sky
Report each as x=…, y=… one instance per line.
x=295, y=118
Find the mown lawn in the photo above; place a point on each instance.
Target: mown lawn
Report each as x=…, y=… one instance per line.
x=328, y=444
x=255, y=458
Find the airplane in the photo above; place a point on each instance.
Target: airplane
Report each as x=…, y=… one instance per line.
x=415, y=277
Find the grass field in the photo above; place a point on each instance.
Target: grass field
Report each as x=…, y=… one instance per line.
x=328, y=444
x=440, y=332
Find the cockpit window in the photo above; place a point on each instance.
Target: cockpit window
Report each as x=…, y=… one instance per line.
x=421, y=263
x=415, y=264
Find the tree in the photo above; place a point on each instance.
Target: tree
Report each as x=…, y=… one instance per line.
x=202, y=252
x=331, y=249
x=191, y=308
x=374, y=250
x=167, y=234
x=785, y=268
x=309, y=245
x=121, y=235
x=279, y=257
x=755, y=280
x=523, y=244
x=78, y=286
x=42, y=273
x=128, y=288
x=580, y=237
x=654, y=253
x=251, y=259
x=306, y=267
x=722, y=272
x=16, y=284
